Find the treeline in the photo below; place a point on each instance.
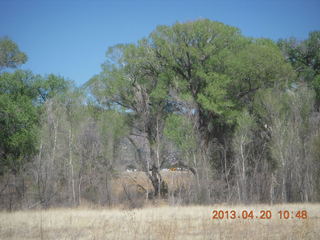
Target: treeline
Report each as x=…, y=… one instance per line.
x=240, y=114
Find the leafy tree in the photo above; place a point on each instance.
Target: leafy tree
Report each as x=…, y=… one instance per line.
x=305, y=59
x=179, y=130
x=208, y=62
x=50, y=86
x=259, y=65
x=10, y=55
x=219, y=68
x=21, y=94
x=132, y=82
x=194, y=53
x=18, y=120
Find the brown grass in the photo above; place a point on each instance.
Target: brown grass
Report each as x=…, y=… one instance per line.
x=164, y=222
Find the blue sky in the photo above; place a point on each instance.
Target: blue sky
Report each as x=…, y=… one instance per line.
x=70, y=37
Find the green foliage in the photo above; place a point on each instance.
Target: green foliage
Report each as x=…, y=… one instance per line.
x=51, y=86
x=245, y=124
x=258, y=65
x=208, y=61
x=304, y=55
x=192, y=50
x=179, y=131
x=132, y=82
x=21, y=94
x=215, y=97
x=10, y=55
x=18, y=83
x=305, y=58
x=18, y=120
x=127, y=73
x=219, y=67
x=316, y=87
x=112, y=125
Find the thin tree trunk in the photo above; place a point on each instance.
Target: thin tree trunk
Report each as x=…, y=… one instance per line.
x=71, y=167
x=272, y=189
x=158, y=156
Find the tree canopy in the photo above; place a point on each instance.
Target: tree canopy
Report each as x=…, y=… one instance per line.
x=10, y=54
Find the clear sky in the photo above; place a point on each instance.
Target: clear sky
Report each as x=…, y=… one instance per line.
x=70, y=37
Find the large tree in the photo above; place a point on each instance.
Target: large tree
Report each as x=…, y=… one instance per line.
x=133, y=82
x=206, y=63
x=219, y=68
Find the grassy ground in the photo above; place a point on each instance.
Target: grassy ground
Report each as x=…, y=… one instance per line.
x=193, y=222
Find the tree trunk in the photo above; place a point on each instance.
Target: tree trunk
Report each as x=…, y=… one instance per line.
x=71, y=167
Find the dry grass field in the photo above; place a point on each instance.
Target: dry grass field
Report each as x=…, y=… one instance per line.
x=163, y=222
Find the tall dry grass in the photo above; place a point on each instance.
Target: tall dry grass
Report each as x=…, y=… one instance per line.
x=163, y=222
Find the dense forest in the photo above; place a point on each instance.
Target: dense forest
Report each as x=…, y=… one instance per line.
x=240, y=115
